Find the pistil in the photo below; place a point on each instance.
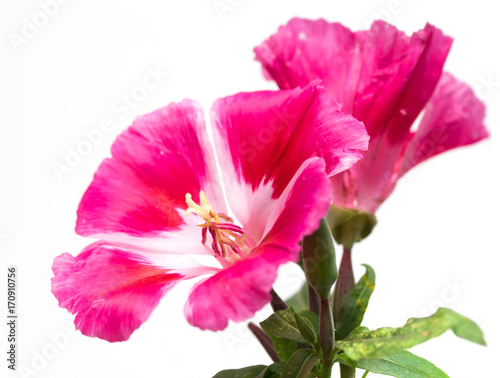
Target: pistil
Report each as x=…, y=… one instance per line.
x=225, y=235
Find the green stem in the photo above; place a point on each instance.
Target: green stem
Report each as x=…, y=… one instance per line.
x=326, y=371
x=327, y=337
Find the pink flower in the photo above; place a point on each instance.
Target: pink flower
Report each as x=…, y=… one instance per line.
x=158, y=208
x=385, y=79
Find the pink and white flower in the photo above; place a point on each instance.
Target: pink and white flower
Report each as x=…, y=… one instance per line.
x=384, y=79
x=158, y=209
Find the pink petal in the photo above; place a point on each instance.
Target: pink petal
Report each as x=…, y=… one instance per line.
x=268, y=135
x=453, y=118
x=401, y=75
x=304, y=50
x=236, y=293
x=381, y=76
x=299, y=209
x=112, y=291
x=240, y=290
x=141, y=190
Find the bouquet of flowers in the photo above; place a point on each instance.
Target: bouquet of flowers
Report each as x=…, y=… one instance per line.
x=284, y=175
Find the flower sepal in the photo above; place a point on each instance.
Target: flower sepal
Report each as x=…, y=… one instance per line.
x=350, y=225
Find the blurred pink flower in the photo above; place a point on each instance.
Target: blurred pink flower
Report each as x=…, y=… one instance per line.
x=274, y=149
x=384, y=79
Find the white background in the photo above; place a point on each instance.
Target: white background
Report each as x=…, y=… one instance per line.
x=438, y=229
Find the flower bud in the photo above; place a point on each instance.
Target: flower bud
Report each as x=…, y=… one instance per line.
x=318, y=256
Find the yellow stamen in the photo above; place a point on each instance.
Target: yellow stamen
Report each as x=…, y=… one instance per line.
x=225, y=235
x=204, y=211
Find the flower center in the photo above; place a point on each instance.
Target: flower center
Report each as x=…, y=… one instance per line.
x=227, y=238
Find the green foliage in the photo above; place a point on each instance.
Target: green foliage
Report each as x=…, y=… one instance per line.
x=355, y=304
x=284, y=347
x=312, y=317
x=301, y=363
x=382, y=351
x=382, y=342
x=247, y=372
x=305, y=328
x=403, y=365
x=291, y=331
x=282, y=324
x=273, y=371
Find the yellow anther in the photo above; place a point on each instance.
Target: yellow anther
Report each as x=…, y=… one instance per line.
x=204, y=210
x=227, y=238
x=203, y=199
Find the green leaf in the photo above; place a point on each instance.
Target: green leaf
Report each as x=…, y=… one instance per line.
x=355, y=303
x=312, y=317
x=247, y=372
x=305, y=328
x=345, y=360
x=300, y=364
x=386, y=341
x=403, y=365
x=284, y=347
x=273, y=371
x=282, y=324
x=299, y=300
